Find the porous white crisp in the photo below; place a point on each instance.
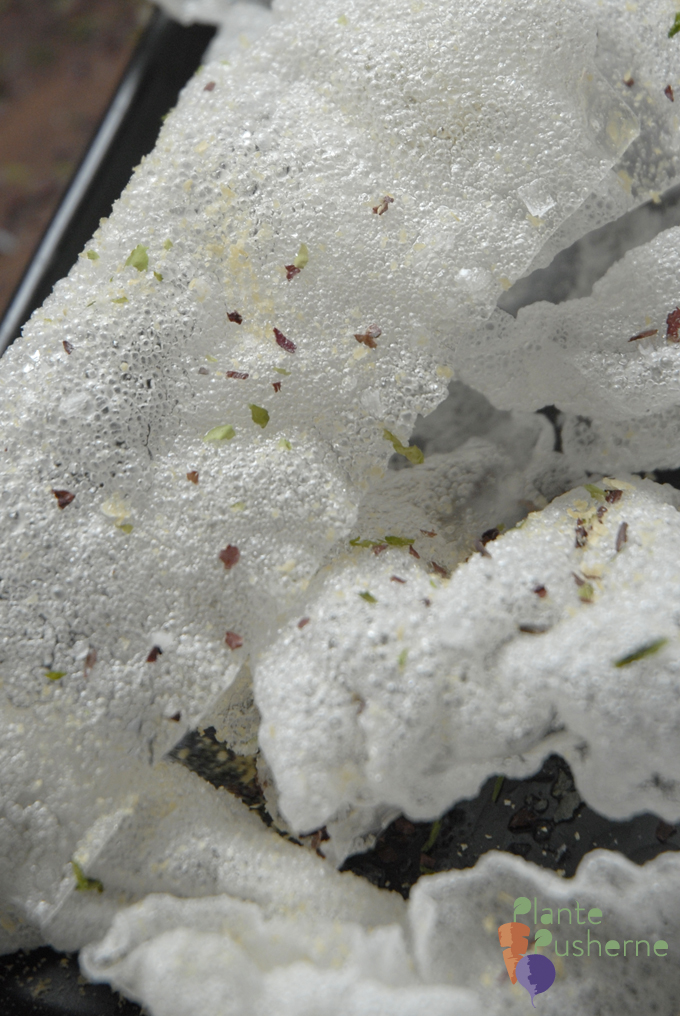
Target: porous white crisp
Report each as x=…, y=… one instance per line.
x=198, y=422
x=408, y=690
x=612, y=356
x=218, y=955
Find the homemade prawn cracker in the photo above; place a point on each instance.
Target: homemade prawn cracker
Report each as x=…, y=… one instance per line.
x=194, y=437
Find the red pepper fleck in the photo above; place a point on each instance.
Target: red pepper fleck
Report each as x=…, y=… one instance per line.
x=303, y=621
x=229, y=556
x=154, y=654
x=276, y=385
x=282, y=341
x=578, y=580
x=233, y=640
x=395, y=578
x=90, y=661
x=481, y=548
x=63, y=497
x=413, y=552
x=235, y=317
x=209, y=87
x=541, y=591
x=369, y=336
x=176, y=717
x=601, y=512
x=673, y=325
x=238, y=374
x=379, y=548
x=668, y=92
x=67, y=346
x=629, y=81
x=193, y=476
x=621, y=536
x=203, y=370
x=612, y=496
x=644, y=335
x=581, y=536
x=427, y=602
x=292, y=271
x=427, y=532
x=383, y=205
x=439, y=570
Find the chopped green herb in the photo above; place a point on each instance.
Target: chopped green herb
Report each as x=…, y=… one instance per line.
x=368, y=597
x=92, y=255
x=238, y=506
x=211, y=359
x=675, y=27
x=157, y=275
x=594, y=491
x=225, y=433
x=586, y=592
x=285, y=444
x=126, y=527
x=302, y=256
x=432, y=838
x=120, y=299
x=497, y=787
x=89, y=304
x=83, y=883
x=356, y=542
x=55, y=675
x=260, y=416
x=280, y=370
x=138, y=259
x=412, y=452
x=649, y=649
x=403, y=656
x=168, y=244
x=398, y=541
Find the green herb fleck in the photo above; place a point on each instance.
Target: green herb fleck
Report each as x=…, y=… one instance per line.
x=224, y=433
x=55, y=675
x=285, y=444
x=369, y=597
x=649, y=649
x=594, y=491
x=167, y=245
x=675, y=28
x=402, y=658
x=302, y=256
x=238, y=506
x=83, y=883
x=432, y=838
x=91, y=304
x=356, y=542
x=138, y=259
x=398, y=541
x=412, y=452
x=497, y=787
x=211, y=359
x=157, y=275
x=92, y=255
x=260, y=416
x=120, y=299
x=280, y=370
x=586, y=592
x=126, y=527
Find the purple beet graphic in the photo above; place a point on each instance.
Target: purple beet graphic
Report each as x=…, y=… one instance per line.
x=536, y=973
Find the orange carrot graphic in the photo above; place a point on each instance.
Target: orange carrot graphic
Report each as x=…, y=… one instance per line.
x=514, y=938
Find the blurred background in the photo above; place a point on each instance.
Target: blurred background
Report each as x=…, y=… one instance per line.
x=60, y=64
